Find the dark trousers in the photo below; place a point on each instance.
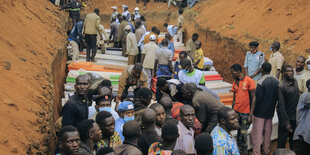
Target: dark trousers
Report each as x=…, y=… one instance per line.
x=75, y=19
x=301, y=147
x=283, y=134
x=116, y=44
x=91, y=40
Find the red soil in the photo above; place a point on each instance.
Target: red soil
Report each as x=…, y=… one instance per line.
x=265, y=21
x=30, y=38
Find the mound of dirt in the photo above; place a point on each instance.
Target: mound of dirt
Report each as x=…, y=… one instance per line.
x=30, y=39
x=239, y=21
x=265, y=21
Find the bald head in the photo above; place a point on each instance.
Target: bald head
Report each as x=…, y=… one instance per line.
x=148, y=117
x=188, y=90
x=160, y=113
x=185, y=108
x=104, y=91
x=131, y=130
x=82, y=84
x=156, y=106
x=83, y=77
x=166, y=102
x=138, y=67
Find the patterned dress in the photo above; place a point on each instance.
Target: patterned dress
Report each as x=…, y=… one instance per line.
x=115, y=140
x=223, y=142
x=155, y=149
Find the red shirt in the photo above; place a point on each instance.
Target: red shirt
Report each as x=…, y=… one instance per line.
x=242, y=96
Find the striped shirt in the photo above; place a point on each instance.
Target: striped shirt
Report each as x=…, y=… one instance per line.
x=223, y=142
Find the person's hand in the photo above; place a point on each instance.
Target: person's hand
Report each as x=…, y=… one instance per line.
x=250, y=119
x=289, y=127
x=253, y=75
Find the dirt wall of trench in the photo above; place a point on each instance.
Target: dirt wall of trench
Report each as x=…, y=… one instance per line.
x=32, y=69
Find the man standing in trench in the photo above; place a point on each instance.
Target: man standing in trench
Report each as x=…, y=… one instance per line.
x=76, y=108
x=74, y=13
x=91, y=28
x=121, y=39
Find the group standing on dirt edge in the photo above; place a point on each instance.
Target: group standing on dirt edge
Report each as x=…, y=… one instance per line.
x=183, y=116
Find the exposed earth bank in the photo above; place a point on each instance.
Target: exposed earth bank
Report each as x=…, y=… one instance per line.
x=32, y=67
x=226, y=27
x=32, y=60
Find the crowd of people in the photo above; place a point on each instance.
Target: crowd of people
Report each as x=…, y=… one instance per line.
x=187, y=117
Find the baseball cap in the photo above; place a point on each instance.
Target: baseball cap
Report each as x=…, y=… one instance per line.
x=125, y=106
x=152, y=37
x=127, y=27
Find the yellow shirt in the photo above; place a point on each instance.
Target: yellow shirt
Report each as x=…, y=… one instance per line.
x=302, y=82
x=276, y=60
x=199, y=56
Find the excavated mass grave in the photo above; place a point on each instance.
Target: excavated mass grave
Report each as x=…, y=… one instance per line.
x=33, y=56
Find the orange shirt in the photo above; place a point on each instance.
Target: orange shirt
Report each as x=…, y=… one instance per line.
x=242, y=97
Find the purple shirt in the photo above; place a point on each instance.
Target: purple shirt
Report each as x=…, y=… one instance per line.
x=186, y=141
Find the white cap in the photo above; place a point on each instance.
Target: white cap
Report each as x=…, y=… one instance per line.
x=114, y=7
x=124, y=6
x=136, y=9
x=153, y=37
x=127, y=27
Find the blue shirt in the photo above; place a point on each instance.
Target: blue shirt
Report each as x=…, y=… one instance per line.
x=303, y=118
x=172, y=30
x=254, y=61
x=76, y=32
x=223, y=142
x=119, y=123
x=177, y=68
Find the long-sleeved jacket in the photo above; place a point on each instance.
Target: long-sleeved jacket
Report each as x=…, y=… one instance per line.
x=127, y=148
x=114, y=31
x=131, y=43
x=127, y=79
x=91, y=24
x=74, y=7
x=206, y=106
x=288, y=96
x=76, y=33
x=139, y=33
x=122, y=32
x=74, y=111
